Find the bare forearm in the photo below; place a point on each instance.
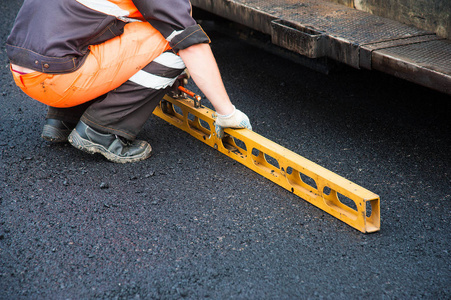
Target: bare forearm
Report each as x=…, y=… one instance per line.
x=203, y=69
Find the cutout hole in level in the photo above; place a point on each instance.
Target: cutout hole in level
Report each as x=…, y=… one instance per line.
x=198, y=123
x=272, y=161
x=191, y=117
x=289, y=170
x=205, y=124
x=234, y=145
x=255, y=152
x=166, y=107
x=308, y=180
x=346, y=201
x=368, y=209
x=327, y=190
x=177, y=109
x=240, y=144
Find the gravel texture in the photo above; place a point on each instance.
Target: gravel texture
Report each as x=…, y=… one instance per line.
x=191, y=223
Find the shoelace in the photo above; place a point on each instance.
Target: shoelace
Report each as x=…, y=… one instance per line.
x=124, y=140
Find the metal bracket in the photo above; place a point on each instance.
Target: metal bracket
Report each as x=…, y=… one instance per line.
x=350, y=203
x=305, y=41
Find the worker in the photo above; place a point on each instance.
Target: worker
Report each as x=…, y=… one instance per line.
x=102, y=66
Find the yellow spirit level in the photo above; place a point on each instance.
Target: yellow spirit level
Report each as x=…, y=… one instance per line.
x=328, y=191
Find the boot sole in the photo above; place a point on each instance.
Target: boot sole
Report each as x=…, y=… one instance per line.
x=54, y=135
x=87, y=146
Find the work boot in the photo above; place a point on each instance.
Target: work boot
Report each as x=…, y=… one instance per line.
x=56, y=131
x=115, y=148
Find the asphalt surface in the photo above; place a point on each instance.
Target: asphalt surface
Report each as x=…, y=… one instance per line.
x=191, y=223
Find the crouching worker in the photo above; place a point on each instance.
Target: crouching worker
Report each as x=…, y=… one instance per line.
x=102, y=66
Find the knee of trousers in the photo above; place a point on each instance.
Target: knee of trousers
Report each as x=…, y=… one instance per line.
x=161, y=72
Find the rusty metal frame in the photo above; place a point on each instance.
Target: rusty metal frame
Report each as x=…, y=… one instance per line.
x=330, y=192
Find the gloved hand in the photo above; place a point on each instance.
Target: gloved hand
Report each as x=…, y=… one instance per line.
x=236, y=119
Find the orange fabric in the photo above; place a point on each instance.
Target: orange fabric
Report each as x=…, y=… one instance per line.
x=107, y=66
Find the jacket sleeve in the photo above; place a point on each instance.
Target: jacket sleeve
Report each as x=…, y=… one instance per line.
x=173, y=19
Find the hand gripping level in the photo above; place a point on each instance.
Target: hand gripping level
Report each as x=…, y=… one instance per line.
x=328, y=191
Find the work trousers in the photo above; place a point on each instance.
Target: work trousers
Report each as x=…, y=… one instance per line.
x=117, y=87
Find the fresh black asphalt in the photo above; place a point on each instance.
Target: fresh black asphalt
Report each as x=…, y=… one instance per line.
x=191, y=223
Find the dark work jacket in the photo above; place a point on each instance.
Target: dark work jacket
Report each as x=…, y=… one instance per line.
x=53, y=36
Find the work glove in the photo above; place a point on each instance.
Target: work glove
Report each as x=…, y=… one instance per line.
x=236, y=119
